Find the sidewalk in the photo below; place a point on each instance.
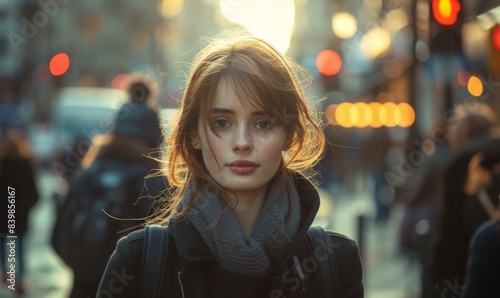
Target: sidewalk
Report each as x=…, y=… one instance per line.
x=46, y=276
x=386, y=274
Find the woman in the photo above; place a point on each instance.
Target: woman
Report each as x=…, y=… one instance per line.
x=238, y=157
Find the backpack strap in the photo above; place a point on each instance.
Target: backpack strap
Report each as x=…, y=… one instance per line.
x=328, y=271
x=154, y=258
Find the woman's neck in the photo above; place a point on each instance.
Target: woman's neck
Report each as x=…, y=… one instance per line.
x=247, y=208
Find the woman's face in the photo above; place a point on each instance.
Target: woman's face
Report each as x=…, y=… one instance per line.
x=247, y=154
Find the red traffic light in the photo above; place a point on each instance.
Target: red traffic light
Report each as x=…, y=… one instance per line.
x=59, y=64
x=495, y=37
x=445, y=11
x=328, y=62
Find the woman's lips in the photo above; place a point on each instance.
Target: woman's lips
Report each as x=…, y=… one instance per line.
x=242, y=166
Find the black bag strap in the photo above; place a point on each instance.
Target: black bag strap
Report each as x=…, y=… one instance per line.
x=328, y=271
x=154, y=257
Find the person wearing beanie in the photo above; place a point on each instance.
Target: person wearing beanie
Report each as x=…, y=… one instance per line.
x=124, y=152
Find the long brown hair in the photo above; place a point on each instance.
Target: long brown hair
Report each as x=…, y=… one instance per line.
x=262, y=77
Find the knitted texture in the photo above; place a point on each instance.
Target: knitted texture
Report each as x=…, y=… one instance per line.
x=272, y=235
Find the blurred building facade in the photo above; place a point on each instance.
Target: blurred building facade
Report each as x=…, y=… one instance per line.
x=388, y=53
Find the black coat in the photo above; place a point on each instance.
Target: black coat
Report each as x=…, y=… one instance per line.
x=18, y=173
x=460, y=216
x=136, y=205
x=195, y=272
x=484, y=263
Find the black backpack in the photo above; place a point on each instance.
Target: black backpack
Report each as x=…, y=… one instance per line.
x=84, y=236
x=155, y=254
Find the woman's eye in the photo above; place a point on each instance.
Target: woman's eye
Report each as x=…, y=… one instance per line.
x=221, y=123
x=264, y=124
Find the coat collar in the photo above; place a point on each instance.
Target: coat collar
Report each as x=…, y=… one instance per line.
x=191, y=247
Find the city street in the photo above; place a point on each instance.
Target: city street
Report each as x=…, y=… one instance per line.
x=385, y=274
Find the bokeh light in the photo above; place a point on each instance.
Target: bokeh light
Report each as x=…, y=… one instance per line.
x=344, y=25
x=376, y=42
x=120, y=81
x=373, y=114
x=389, y=115
x=272, y=21
x=495, y=37
x=406, y=114
x=171, y=8
x=375, y=108
x=365, y=115
x=475, y=86
x=59, y=64
x=328, y=62
x=343, y=114
x=446, y=11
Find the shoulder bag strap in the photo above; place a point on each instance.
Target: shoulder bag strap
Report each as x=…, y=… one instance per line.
x=328, y=272
x=154, y=256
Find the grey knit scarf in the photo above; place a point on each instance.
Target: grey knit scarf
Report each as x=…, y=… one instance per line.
x=272, y=235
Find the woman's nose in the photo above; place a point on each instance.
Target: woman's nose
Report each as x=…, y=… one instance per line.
x=242, y=140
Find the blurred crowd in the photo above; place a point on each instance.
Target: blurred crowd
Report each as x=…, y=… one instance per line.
x=449, y=187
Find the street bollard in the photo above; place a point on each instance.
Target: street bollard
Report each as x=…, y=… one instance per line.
x=361, y=225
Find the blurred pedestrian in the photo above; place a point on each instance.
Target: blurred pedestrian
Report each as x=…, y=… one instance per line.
x=422, y=195
x=459, y=214
x=374, y=157
x=109, y=195
x=17, y=178
x=483, y=271
x=241, y=207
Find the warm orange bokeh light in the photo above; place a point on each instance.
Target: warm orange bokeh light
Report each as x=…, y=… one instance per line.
x=391, y=117
x=373, y=114
x=59, y=64
x=445, y=11
x=343, y=114
x=375, y=108
x=328, y=62
x=407, y=115
x=475, y=86
x=365, y=115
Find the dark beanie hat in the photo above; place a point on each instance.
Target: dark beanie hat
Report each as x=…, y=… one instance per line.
x=136, y=119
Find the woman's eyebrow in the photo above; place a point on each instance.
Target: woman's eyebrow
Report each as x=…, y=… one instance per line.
x=232, y=112
x=223, y=111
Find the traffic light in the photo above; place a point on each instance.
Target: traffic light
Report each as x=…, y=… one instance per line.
x=445, y=27
x=495, y=37
x=59, y=64
x=445, y=12
x=329, y=63
x=494, y=50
